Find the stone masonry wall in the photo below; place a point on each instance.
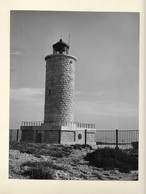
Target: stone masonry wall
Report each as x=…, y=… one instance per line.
x=67, y=137
x=74, y=135
x=28, y=136
x=52, y=136
x=58, y=135
x=59, y=91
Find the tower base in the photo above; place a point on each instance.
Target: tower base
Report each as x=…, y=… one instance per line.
x=58, y=134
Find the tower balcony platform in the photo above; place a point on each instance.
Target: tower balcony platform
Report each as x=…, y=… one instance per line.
x=65, y=124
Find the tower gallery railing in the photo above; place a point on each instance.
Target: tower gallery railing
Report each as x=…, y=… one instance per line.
x=67, y=124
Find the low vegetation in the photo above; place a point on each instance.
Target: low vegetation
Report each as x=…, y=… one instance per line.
x=41, y=170
x=41, y=149
x=71, y=162
x=109, y=158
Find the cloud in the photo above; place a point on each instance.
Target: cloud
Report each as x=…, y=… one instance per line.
x=83, y=95
x=15, y=53
x=94, y=103
x=101, y=104
x=33, y=96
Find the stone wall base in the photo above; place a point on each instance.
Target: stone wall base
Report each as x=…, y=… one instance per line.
x=58, y=135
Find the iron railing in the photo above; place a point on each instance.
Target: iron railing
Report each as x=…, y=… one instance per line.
x=67, y=124
x=116, y=138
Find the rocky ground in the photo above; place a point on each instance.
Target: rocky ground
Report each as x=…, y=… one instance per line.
x=60, y=162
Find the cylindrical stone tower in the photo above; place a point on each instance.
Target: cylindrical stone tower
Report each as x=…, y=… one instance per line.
x=60, y=81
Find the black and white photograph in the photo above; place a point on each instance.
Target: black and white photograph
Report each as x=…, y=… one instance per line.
x=74, y=95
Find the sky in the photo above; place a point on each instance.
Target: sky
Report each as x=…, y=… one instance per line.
x=106, y=46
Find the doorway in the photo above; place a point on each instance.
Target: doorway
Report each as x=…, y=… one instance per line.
x=38, y=138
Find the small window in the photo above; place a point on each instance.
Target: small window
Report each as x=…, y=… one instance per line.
x=50, y=92
x=79, y=136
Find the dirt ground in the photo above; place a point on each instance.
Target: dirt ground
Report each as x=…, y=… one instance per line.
x=65, y=163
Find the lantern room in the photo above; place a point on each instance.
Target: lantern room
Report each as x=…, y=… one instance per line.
x=60, y=47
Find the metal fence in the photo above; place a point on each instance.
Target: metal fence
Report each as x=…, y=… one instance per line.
x=117, y=138
x=14, y=135
x=104, y=138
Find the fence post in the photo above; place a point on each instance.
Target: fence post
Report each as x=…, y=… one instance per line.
x=116, y=138
x=17, y=135
x=85, y=136
x=59, y=136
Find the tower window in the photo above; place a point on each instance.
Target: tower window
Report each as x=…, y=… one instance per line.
x=50, y=92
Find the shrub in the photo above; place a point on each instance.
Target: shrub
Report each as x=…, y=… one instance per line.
x=81, y=146
x=56, y=151
x=46, y=164
x=109, y=158
x=39, y=172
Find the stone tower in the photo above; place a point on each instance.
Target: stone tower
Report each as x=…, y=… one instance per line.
x=59, y=88
x=59, y=126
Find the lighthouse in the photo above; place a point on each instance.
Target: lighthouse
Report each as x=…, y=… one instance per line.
x=60, y=85
x=58, y=126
